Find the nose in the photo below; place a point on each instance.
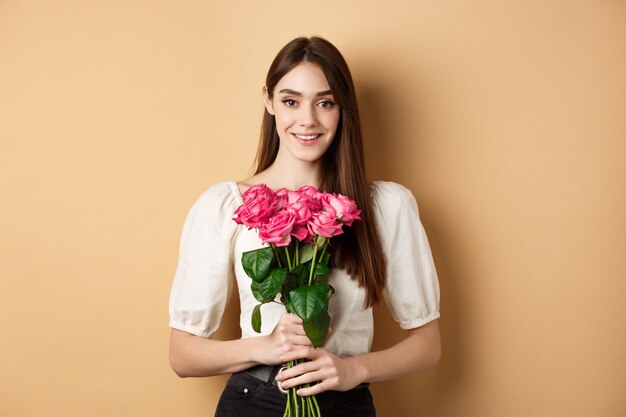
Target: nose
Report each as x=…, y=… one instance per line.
x=307, y=116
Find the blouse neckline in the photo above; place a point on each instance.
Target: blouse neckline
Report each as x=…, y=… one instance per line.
x=234, y=188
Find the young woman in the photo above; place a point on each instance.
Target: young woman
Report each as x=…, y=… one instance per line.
x=310, y=136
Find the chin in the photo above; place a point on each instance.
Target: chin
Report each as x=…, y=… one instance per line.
x=306, y=155
x=309, y=158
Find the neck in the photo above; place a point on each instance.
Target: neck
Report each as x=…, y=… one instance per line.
x=291, y=173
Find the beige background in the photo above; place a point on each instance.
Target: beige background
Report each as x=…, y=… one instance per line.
x=506, y=119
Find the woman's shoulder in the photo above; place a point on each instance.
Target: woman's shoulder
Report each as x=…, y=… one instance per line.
x=212, y=212
x=390, y=193
x=219, y=200
x=224, y=191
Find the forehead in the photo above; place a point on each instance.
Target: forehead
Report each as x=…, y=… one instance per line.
x=306, y=77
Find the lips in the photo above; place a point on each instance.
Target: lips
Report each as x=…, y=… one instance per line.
x=307, y=136
x=307, y=139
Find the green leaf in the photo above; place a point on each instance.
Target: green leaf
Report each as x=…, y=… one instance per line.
x=288, y=306
x=308, y=300
x=301, y=272
x=330, y=291
x=325, y=258
x=256, y=318
x=266, y=290
x=322, y=279
x=291, y=283
x=317, y=328
x=296, y=277
x=306, y=253
x=321, y=269
x=282, y=256
x=257, y=263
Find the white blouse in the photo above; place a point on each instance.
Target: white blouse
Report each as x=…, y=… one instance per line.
x=210, y=262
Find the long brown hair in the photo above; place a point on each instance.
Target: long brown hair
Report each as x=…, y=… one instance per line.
x=358, y=250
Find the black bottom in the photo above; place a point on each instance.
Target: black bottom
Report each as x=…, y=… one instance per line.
x=247, y=396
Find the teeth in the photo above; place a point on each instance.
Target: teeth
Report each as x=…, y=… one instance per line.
x=306, y=137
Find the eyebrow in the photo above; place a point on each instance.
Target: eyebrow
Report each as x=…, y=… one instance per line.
x=297, y=93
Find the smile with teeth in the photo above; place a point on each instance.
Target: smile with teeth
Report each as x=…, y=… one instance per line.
x=306, y=137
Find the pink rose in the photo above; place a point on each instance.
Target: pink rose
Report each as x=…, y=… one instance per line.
x=297, y=205
x=324, y=223
x=311, y=197
x=259, y=204
x=345, y=209
x=278, y=229
x=300, y=232
x=288, y=197
x=257, y=191
x=300, y=205
x=309, y=191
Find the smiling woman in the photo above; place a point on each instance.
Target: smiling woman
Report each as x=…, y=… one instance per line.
x=305, y=112
x=311, y=136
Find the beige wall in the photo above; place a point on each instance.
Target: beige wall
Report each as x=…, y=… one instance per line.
x=506, y=119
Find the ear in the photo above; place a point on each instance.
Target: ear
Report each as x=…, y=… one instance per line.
x=268, y=101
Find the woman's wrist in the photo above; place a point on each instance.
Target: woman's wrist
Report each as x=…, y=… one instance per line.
x=257, y=349
x=359, y=369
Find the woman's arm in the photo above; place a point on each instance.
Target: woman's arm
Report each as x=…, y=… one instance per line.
x=419, y=351
x=192, y=355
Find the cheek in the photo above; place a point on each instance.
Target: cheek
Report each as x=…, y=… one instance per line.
x=283, y=121
x=332, y=121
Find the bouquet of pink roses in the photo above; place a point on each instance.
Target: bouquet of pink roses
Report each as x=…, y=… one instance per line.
x=298, y=226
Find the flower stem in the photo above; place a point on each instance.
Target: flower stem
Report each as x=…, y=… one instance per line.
x=324, y=251
x=313, y=263
x=295, y=400
x=287, y=412
x=317, y=406
x=276, y=255
x=288, y=257
x=297, y=256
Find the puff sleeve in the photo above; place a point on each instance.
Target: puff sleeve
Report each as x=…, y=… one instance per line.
x=205, y=274
x=412, y=288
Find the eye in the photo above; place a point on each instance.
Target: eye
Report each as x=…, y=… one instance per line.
x=289, y=102
x=326, y=104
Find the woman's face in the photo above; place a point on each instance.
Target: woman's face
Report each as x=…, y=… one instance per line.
x=305, y=111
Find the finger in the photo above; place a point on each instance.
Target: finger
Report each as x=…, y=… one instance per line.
x=297, y=329
x=306, y=378
x=299, y=353
x=301, y=341
x=314, y=389
x=289, y=329
x=292, y=318
x=294, y=377
x=295, y=371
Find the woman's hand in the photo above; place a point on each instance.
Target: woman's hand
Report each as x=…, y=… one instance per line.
x=420, y=350
x=287, y=336
x=332, y=372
